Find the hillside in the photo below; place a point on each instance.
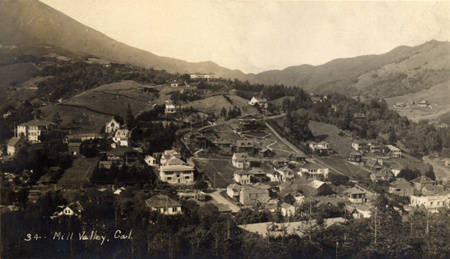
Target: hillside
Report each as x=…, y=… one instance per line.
x=30, y=22
x=401, y=71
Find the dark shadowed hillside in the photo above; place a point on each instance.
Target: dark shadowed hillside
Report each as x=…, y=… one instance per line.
x=30, y=22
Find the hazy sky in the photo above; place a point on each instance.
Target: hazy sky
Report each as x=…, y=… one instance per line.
x=261, y=35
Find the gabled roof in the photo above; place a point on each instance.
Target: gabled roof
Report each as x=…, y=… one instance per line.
x=316, y=184
x=175, y=161
x=401, y=183
x=161, y=201
x=240, y=156
x=176, y=168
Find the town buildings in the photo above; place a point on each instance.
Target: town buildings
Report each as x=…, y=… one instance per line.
x=111, y=126
x=33, y=130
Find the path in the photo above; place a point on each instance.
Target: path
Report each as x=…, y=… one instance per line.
x=285, y=141
x=219, y=199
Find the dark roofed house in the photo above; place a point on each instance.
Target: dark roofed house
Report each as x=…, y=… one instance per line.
x=164, y=205
x=381, y=176
x=401, y=187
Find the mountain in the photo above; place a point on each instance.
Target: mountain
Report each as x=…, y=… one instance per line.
x=401, y=71
x=30, y=23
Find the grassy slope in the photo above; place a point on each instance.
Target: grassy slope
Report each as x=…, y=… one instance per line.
x=438, y=96
x=341, y=144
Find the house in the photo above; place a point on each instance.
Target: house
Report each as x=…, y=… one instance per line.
x=34, y=130
x=73, y=209
x=421, y=182
x=164, y=205
x=170, y=108
x=322, y=147
x=253, y=196
x=260, y=102
x=121, y=137
x=359, y=115
x=374, y=164
x=266, y=152
x=244, y=146
x=150, y=160
x=240, y=160
x=176, y=171
x=111, y=126
x=174, y=84
x=168, y=154
x=314, y=171
x=359, y=145
x=359, y=211
x=14, y=144
x=285, y=173
x=297, y=158
x=203, y=76
x=375, y=147
x=274, y=176
x=224, y=145
x=234, y=190
x=287, y=210
x=242, y=177
x=356, y=195
x=381, y=176
x=432, y=203
x=446, y=162
x=355, y=157
x=401, y=187
x=394, y=151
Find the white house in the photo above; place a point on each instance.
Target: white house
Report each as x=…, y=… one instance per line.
x=431, y=202
x=261, y=102
x=233, y=190
x=242, y=177
x=13, y=145
x=170, y=108
x=240, y=160
x=121, y=137
x=164, y=205
x=150, y=160
x=314, y=171
x=111, y=126
x=33, y=130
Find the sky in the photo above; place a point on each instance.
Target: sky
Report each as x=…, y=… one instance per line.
x=255, y=36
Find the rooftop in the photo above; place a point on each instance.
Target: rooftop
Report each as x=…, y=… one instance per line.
x=161, y=201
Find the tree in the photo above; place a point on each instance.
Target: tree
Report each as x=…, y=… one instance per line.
x=430, y=172
x=289, y=199
x=130, y=118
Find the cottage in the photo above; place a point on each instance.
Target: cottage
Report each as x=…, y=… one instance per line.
x=401, y=187
x=260, y=102
x=78, y=138
x=33, y=130
x=432, y=203
x=253, y=196
x=240, y=160
x=297, y=158
x=164, y=205
x=423, y=104
x=111, y=126
x=244, y=146
x=356, y=195
x=355, y=157
x=314, y=171
x=359, y=211
x=242, y=177
x=374, y=164
x=287, y=210
x=74, y=148
x=394, y=151
x=14, y=144
x=168, y=154
x=395, y=171
x=375, y=147
x=266, y=152
x=299, y=198
x=315, y=188
x=432, y=189
x=121, y=137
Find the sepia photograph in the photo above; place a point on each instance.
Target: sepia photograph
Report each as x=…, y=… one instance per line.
x=224, y=129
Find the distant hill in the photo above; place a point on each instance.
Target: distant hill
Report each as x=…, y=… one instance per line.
x=401, y=71
x=30, y=23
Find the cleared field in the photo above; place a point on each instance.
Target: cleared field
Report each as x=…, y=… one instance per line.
x=76, y=117
x=114, y=98
x=352, y=171
x=79, y=174
x=219, y=171
x=214, y=104
x=437, y=96
x=341, y=144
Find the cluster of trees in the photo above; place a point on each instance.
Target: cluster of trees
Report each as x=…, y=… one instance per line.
x=187, y=96
x=69, y=78
x=233, y=112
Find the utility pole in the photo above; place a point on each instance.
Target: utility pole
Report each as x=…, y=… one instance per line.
x=375, y=230
x=427, y=230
